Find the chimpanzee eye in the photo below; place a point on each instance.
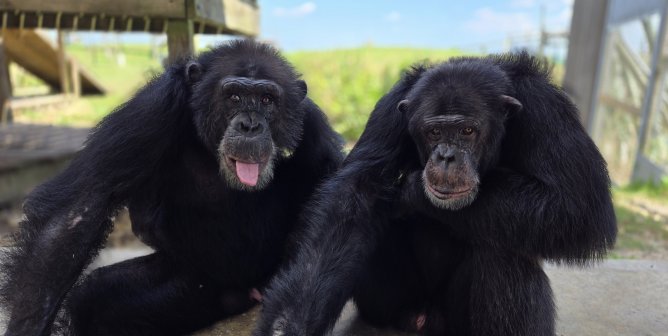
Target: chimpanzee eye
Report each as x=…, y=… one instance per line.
x=235, y=98
x=267, y=100
x=467, y=131
x=434, y=134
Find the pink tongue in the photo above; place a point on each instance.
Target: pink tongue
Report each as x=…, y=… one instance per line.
x=248, y=173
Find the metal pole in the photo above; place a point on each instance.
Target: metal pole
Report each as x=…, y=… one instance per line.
x=650, y=91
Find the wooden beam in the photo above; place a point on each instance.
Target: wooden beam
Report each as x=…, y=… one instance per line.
x=180, y=41
x=239, y=17
x=75, y=76
x=63, y=72
x=5, y=86
x=242, y=17
x=21, y=103
x=35, y=53
x=151, y=8
x=236, y=17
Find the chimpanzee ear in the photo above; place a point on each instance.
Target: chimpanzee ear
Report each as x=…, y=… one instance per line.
x=303, y=89
x=193, y=72
x=512, y=105
x=403, y=106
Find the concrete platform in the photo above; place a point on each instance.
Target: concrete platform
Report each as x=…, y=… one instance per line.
x=617, y=297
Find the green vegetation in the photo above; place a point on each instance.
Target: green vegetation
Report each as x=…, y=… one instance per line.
x=656, y=191
x=348, y=83
x=642, y=217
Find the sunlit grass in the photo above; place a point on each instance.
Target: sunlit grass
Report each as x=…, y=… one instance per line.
x=347, y=83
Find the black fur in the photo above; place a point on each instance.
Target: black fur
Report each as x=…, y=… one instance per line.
x=154, y=155
x=373, y=235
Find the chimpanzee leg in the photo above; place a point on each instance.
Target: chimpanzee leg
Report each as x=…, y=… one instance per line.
x=148, y=296
x=499, y=293
x=389, y=292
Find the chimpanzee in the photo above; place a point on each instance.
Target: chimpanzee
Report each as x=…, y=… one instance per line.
x=214, y=160
x=469, y=174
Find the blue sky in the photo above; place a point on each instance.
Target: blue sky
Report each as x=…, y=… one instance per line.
x=471, y=25
x=476, y=25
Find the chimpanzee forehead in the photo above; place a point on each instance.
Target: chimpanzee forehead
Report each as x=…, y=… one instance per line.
x=453, y=100
x=246, y=84
x=256, y=66
x=452, y=119
x=245, y=81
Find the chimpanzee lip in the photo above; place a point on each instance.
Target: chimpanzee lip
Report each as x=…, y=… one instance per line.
x=233, y=160
x=440, y=194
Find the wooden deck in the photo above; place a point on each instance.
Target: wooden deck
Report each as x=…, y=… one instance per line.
x=236, y=17
x=30, y=154
x=35, y=53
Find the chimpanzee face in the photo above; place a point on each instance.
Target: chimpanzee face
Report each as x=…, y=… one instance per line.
x=251, y=116
x=458, y=131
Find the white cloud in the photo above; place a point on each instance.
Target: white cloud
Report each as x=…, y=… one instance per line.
x=298, y=11
x=393, y=16
x=522, y=3
x=486, y=20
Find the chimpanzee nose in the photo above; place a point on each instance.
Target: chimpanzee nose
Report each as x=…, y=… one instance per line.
x=248, y=127
x=444, y=154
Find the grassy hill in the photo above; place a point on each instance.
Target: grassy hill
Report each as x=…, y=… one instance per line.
x=348, y=83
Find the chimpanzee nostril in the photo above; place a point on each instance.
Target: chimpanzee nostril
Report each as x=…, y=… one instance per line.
x=251, y=129
x=248, y=127
x=244, y=127
x=444, y=154
x=447, y=157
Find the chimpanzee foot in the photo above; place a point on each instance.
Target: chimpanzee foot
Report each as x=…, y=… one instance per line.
x=254, y=294
x=420, y=320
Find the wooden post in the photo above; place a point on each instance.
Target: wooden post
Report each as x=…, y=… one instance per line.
x=62, y=65
x=180, y=41
x=5, y=86
x=585, y=48
x=76, y=78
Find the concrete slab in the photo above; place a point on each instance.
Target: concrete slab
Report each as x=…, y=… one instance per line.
x=620, y=297
x=617, y=297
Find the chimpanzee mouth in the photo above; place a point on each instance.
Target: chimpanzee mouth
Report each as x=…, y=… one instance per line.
x=247, y=172
x=446, y=195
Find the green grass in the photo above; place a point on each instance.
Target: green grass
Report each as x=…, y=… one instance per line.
x=656, y=191
x=642, y=220
x=347, y=83
x=639, y=236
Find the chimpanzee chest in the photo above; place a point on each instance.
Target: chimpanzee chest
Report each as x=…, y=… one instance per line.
x=239, y=235
x=437, y=252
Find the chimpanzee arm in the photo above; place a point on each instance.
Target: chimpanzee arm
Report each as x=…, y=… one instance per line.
x=67, y=218
x=342, y=224
x=551, y=191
